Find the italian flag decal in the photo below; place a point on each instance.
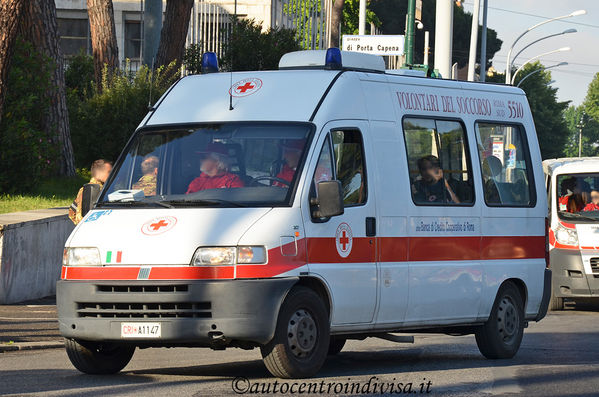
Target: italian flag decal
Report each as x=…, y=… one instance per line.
x=118, y=256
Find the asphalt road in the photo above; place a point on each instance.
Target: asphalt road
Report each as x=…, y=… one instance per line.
x=559, y=356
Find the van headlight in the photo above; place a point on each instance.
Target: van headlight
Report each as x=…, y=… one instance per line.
x=566, y=236
x=229, y=255
x=79, y=256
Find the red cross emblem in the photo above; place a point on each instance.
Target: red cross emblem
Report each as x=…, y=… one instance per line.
x=343, y=240
x=245, y=87
x=158, y=225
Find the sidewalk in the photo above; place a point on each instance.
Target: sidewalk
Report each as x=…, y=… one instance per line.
x=29, y=325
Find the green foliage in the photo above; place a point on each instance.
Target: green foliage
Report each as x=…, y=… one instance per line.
x=192, y=59
x=79, y=76
x=102, y=123
x=547, y=112
x=576, y=117
x=392, y=14
x=27, y=154
x=351, y=17
x=248, y=48
x=591, y=102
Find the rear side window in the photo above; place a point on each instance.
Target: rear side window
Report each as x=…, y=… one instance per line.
x=505, y=164
x=438, y=161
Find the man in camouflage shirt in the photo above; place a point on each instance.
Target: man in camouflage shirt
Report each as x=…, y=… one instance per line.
x=100, y=170
x=149, y=169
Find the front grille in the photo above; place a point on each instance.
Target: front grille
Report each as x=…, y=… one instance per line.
x=145, y=310
x=143, y=288
x=595, y=266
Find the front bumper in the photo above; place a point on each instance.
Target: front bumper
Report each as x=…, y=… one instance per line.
x=195, y=313
x=570, y=280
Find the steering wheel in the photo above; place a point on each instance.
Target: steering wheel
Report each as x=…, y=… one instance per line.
x=270, y=178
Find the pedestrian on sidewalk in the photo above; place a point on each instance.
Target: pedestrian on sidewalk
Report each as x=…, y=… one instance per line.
x=100, y=170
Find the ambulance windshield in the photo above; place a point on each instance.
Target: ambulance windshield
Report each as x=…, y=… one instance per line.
x=577, y=196
x=225, y=165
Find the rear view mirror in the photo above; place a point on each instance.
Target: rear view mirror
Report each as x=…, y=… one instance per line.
x=329, y=201
x=91, y=191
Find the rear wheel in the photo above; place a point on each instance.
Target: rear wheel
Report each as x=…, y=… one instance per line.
x=336, y=345
x=501, y=335
x=98, y=358
x=301, y=341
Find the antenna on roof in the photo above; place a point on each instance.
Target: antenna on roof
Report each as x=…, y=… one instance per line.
x=231, y=63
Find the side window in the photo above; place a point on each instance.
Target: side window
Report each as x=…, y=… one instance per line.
x=505, y=165
x=349, y=163
x=438, y=162
x=324, y=168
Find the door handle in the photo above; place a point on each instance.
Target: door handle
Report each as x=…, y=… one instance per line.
x=370, y=226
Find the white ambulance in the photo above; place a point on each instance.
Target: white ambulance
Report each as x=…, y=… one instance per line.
x=292, y=210
x=573, y=195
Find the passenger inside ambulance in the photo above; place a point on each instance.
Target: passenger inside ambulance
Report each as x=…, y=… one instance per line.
x=292, y=152
x=432, y=187
x=214, y=159
x=147, y=182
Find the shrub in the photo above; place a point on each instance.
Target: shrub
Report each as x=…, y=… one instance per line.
x=192, y=59
x=27, y=154
x=102, y=124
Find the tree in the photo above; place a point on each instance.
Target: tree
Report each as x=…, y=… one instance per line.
x=351, y=16
x=336, y=21
x=591, y=102
x=547, y=112
x=103, y=35
x=39, y=27
x=10, y=11
x=392, y=15
x=174, y=32
x=573, y=116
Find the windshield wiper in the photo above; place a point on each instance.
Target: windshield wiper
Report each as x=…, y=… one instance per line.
x=577, y=215
x=140, y=203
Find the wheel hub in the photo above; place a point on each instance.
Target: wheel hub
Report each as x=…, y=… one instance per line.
x=507, y=320
x=301, y=333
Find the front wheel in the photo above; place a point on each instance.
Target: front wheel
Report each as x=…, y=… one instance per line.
x=556, y=303
x=501, y=335
x=98, y=358
x=301, y=341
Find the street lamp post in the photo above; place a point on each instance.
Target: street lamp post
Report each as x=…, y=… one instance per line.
x=540, y=70
x=508, y=72
x=536, y=57
x=536, y=41
x=580, y=127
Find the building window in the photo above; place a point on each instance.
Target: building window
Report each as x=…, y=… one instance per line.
x=132, y=39
x=74, y=36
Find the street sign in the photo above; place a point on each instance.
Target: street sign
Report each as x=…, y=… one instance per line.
x=374, y=44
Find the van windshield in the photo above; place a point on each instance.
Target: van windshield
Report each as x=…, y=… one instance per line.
x=225, y=165
x=577, y=197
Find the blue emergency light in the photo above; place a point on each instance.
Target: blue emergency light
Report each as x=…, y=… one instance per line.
x=209, y=63
x=333, y=59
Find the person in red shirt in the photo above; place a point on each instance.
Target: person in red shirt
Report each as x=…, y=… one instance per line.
x=215, y=170
x=292, y=151
x=594, y=204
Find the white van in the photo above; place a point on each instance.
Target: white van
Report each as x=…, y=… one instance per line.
x=573, y=196
x=291, y=210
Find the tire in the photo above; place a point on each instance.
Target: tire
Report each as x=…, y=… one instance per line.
x=336, y=345
x=501, y=335
x=556, y=303
x=301, y=341
x=98, y=358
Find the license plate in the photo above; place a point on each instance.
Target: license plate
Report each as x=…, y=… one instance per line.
x=140, y=330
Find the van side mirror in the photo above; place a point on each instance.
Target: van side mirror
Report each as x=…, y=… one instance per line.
x=329, y=200
x=91, y=192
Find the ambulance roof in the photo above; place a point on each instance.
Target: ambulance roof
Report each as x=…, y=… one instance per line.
x=571, y=165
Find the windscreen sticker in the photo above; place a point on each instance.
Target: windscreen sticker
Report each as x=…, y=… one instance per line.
x=245, y=87
x=158, y=225
x=94, y=216
x=344, y=240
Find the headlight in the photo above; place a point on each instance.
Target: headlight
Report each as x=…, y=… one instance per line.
x=81, y=257
x=565, y=235
x=228, y=255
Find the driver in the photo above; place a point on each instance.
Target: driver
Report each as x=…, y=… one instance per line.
x=292, y=151
x=215, y=170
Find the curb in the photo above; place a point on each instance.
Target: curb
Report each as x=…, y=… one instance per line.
x=4, y=348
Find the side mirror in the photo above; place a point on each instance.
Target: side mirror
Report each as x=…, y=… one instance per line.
x=91, y=191
x=329, y=201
